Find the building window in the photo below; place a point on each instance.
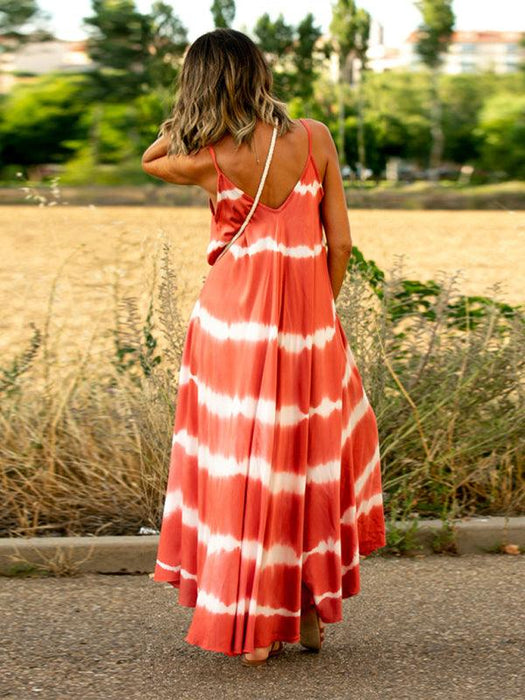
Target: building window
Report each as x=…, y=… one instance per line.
x=468, y=48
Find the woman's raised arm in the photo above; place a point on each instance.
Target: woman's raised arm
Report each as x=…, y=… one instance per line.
x=178, y=169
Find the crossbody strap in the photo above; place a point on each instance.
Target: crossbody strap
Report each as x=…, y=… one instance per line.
x=257, y=196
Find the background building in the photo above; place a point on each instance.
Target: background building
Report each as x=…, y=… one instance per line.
x=469, y=52
x=36, y=58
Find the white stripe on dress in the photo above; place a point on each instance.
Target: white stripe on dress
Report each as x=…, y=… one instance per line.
x=263, y=410
x=231, y=193
x=253, y=331
x=270, y=244
x=311, y=187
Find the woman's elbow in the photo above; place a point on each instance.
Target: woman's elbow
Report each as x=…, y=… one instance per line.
x=146, y=163
x=341, y=247
x=151, y=167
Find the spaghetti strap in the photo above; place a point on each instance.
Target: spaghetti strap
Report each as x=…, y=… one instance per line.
x=214, y=158
x=305, y=124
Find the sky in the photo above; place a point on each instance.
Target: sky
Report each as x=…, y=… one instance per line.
x=398, y=17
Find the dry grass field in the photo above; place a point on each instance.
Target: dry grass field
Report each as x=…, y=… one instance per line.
x=88, y=397
x=92, y=246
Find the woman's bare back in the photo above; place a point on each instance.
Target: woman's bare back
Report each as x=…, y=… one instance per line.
x=241, y=167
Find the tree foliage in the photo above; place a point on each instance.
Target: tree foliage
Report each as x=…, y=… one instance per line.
x=501, y=128
x=38, y=118
x=22, y=21
x=343, y=27
x=305, y=59
x=118, y=44
x=291, y=53
x=223, y=12
x=111, y=117
x=350, y=30
x=433, y=40
x=168, y=41
x=133, y=52
x=435, y=31
x=15, y=14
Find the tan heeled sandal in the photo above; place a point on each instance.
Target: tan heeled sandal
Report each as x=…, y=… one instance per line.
x=312, y=634
x=276, y=649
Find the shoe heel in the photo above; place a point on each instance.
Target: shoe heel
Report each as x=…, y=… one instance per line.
x=310, y=633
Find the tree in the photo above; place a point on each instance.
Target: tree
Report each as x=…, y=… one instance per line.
x=362, y=36
x=118, y=44
x=38, y=118
x=15, y=14
x=276, y=40
x=133, y=52
x=434, y=36
x=501, y=127
x=223, y=12
x=350, y=29
x=462, y=97
x=395, y=106
x=291, y=54
x=304, y=58
x=521, y=44
x=16, y=18
x=168, y=40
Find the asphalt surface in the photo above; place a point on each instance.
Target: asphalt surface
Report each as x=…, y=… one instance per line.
x=429, y=627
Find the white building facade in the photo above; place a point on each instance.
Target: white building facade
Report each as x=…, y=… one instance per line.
x=39, y=57
x=469, y=52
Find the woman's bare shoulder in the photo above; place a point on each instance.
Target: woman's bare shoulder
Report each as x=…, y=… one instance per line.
x=323, y=145
x=319, y=128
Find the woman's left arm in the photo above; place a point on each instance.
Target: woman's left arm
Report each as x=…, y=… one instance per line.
x=178, y=169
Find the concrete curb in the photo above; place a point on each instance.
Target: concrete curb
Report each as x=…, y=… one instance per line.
x=136, y=554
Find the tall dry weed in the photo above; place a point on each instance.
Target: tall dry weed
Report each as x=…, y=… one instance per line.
x=85, y=443
x=445, y=378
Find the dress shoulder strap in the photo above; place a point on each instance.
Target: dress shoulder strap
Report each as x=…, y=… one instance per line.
x=308, y=131
x=214, y=158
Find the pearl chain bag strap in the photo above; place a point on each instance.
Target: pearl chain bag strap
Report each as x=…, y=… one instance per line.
x=257, y=196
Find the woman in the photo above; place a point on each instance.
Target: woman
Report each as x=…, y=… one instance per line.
x=274, y=488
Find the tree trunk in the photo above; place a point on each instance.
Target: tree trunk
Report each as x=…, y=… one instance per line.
x=94, y=132
x=341, y=114
x=436, y=128
x=360, y=125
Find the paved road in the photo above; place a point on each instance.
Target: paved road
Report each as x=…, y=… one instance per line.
x=423, y=628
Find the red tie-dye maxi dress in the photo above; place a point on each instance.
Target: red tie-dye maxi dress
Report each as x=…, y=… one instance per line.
x=275, y=477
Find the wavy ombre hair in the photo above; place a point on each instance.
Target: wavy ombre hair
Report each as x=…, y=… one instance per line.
x=224, y=86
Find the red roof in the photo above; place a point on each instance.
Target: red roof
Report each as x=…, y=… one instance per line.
x=78, y=45
x=485, y=37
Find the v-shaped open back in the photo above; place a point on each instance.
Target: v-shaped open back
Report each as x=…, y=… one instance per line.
x=222, y=174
